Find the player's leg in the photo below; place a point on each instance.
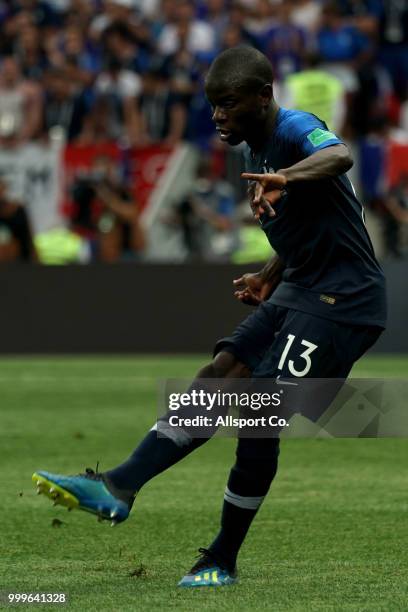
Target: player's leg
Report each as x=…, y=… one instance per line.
x=336, y=348
x=255, y=466
x=248, y=484
x=155, y=454
x=110, y=495
x=235, y=357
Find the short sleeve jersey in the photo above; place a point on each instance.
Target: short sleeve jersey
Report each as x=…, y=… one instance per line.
x=319, y=231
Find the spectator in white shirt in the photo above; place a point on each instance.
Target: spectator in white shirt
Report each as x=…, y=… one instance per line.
x=201, y=35
x=120, y=89
x=20, y=103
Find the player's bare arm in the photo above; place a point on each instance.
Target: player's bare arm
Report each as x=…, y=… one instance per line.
x=327, y=163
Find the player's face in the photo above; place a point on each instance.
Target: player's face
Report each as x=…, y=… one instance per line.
x=236, y=112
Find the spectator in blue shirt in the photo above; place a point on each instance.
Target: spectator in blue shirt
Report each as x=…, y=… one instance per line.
x=284, y=44
x=339, y=41
x=342, y=47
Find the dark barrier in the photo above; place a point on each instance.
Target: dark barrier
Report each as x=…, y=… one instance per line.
x=134, y=308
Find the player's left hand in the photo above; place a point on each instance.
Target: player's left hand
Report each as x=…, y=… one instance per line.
x=251, y=289
x=267, y=191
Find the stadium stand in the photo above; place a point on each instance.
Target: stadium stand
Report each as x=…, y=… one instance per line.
x=82, y=77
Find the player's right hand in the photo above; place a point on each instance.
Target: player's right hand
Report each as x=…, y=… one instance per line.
x=264, y=191
x=252, y=289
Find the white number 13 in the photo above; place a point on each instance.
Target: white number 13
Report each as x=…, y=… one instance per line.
x=310, y=347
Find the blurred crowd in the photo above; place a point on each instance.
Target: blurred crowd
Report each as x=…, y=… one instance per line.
x=132, y=71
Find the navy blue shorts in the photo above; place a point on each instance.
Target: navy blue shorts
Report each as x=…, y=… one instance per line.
x=274, y=341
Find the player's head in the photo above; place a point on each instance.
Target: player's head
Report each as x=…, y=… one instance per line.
x=239, y=89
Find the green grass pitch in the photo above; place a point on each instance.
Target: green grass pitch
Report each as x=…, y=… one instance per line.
x=331, y=536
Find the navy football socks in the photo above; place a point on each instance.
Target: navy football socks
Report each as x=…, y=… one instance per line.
x=248, y=484
x=153, y=455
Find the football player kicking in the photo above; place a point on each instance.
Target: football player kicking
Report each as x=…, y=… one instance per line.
x=320, y=304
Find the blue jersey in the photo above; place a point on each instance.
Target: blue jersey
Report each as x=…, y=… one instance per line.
x=319, y=231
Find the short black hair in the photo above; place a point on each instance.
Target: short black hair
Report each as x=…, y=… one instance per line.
x=241, y=67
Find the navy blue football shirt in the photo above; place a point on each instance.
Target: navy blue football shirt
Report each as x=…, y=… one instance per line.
x=319, y=231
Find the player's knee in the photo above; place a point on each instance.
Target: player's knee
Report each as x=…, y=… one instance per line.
x=224, y=364
x=207, y=372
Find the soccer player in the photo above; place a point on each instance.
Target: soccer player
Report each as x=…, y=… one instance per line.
x=320, y=304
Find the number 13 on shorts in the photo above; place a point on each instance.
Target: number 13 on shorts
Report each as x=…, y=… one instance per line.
x=310, y=347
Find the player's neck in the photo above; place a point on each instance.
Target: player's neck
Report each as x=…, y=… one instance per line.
x=262, y=132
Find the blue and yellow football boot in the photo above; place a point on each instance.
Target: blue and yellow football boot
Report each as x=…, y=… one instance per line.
x=208, y=572
x=89, y=491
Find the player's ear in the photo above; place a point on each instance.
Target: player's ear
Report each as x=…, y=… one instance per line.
x=266, y=94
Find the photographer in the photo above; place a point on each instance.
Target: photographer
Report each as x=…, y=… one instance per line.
x=107, y=214
x=16, y=243
x=207, y=217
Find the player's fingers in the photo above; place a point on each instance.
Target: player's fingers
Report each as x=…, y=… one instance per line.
x=278, y=180
x=244, y=293
x=268, y=180
x=249, y=293
x=257, y=208
x=266, y=207
x=241, y=291
x=251, y=188
x=273, y=196
x=252, y=177
x=259, y=189
x=257, y=211
x=244, y=283
x=239, y=282
x=242, y=296
x=254, y=208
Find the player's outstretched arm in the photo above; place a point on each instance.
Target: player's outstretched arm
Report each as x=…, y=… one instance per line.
x=326, y=163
